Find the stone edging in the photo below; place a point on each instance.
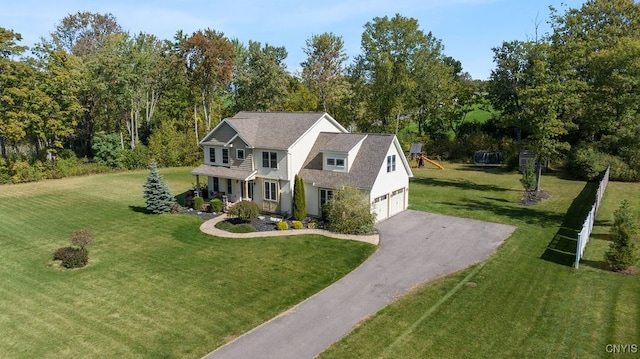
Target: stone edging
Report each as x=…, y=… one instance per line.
x=208, y=227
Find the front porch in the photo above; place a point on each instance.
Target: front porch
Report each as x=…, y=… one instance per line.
x=222, y=182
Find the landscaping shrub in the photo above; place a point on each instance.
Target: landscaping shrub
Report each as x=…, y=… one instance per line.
x=215, y=205
x=81, y=238
x=312, y=225
x=198, y=203
x=71, y=257
x=244, y=210
x=349, y=212
x=242, y=228
x=622, y=250
x=66, y=166
x=282, y=226
x=528, y=179
x=297, y=225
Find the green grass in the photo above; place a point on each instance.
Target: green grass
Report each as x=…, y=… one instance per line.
x=155, y=286
x=526, y=300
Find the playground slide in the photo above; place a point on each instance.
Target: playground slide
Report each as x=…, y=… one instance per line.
x=433, y=163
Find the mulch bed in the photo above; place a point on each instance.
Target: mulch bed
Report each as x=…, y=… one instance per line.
x=264, y=223
x=530, y=198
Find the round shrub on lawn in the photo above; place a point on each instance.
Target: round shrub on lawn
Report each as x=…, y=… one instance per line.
x=71, y=257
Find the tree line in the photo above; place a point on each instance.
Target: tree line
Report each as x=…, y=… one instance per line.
x=92, y=90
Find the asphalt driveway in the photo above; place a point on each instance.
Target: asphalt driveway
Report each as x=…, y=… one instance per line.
x=414, y=247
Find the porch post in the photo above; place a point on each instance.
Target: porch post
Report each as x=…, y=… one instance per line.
x=246, y=188
x=198, y=182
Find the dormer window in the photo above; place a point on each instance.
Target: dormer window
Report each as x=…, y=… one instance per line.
x=335, y=162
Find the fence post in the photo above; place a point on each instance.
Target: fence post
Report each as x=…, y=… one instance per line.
x=578, y=255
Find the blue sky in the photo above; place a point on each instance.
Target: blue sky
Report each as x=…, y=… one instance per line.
x=468, y=28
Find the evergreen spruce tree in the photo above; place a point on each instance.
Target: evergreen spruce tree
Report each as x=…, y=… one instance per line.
x=299, y=201
x=156, y=192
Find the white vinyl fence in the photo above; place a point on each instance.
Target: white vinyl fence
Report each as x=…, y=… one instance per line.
x=587, y=226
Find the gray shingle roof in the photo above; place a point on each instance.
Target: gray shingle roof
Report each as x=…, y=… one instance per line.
x=278, y=130
x=343, y=143
x=363, y=170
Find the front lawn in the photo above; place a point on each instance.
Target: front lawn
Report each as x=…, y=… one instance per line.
x=155, y=286
x=526, y=300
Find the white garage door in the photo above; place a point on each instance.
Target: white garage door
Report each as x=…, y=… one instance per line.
x=381, y=207
x=396, y=204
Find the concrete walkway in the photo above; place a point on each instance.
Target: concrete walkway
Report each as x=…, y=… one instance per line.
x=209, y=227
x=414, y=247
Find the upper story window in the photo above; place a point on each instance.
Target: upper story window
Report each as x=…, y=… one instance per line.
x=269, y=159
x=225, y=155
x=391, y=163
x=240, y=153
x=335, y=162
x=212, y=154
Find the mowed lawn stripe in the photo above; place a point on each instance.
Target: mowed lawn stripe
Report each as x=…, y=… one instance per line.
x=520, y=304
x=155, y=285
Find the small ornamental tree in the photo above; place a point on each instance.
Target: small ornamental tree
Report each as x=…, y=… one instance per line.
x=156, y=192
x=81, y=238
x=299, y=201
x=349, y=212
x=528, y=179
x=622, y=250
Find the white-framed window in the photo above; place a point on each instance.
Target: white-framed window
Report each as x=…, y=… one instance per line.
x=229, y=186
x=325, y=195
x=212, y=154
x=270, y=191
x=380, y=199
x=240, y=153
x=216, y=184
x=225, y=155
x=335, y=162
x=269, y=159
x=391, y=163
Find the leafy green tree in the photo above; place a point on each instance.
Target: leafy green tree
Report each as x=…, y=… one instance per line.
x=107, y=149
x=349, y=212
x=299, y=199
x=323, y=70
x=622, y=252
x=262, y=80
x=156, y=192
x=208, y=59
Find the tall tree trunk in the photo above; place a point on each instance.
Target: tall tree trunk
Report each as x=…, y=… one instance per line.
x=3, y=148
x=195, y=121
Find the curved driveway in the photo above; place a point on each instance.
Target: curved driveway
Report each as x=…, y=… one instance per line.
x=414, y=247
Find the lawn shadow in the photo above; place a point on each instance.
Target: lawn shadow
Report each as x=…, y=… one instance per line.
x=562, y=248
x=140, y=209
x=495, y=169
x=461, y=184
x=527, y=215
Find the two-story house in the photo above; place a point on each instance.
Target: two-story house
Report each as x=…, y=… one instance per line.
x=255, y=155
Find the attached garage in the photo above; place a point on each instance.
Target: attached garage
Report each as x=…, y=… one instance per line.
x=381, y=207
x=397, y=202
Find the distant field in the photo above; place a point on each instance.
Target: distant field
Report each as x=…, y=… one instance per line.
x=526, y=301
x=155, y=287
